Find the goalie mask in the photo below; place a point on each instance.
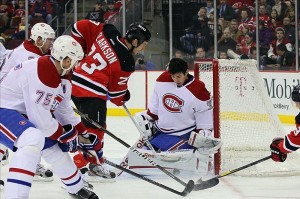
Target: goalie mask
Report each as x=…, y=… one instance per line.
x=295, y=96
x=66, y=46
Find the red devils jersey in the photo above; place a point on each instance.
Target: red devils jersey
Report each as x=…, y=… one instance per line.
x=106, y=68
x=292, y=140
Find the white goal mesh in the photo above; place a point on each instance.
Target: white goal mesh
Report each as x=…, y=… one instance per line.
x=243, y=117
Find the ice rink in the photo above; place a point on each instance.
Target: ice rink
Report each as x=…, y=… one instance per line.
x=129, y=187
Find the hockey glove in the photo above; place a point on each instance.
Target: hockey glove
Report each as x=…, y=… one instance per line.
x=120, y=102
x=92, y=145
x=277, y=155
x=68, y=142
x=204, y=141
x=145, y=124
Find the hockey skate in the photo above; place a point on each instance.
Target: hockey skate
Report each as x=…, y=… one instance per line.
x=99, y=173
x=84, y=193
x=1, y=185
x=42, y=174
x=86, y=184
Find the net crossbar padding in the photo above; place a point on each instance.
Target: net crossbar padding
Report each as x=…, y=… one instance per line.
x=243, y=118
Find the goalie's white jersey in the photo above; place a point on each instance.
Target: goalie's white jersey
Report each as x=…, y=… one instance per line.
x=179, y=110
x=35, y=89
x=26, y=51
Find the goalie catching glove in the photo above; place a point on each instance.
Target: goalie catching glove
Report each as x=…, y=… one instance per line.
x=204, y=142
x=68, y=142
x=277, y=155
x=145, y=123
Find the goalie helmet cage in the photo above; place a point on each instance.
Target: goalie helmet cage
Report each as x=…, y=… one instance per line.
x=243, y=117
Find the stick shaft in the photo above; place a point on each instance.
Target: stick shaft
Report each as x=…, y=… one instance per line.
x=244, y=167
x=140, y=130
x=183, y=193
x=130, y=147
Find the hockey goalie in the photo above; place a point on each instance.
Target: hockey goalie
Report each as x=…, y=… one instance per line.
x=178, y=123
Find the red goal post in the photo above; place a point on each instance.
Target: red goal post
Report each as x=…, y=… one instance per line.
x=244, y=117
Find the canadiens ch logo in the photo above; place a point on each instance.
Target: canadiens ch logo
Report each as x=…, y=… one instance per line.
x=172, y=103
x=22, y=122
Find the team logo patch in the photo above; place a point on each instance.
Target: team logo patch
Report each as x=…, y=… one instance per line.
x=172, y=103
x=22, y=122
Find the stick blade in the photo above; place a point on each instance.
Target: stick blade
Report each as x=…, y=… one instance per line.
x=206, y=184
x=188, y=188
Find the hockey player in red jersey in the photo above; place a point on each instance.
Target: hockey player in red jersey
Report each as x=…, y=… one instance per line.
x=31, y=93
x=103, y=73
x=280, y=147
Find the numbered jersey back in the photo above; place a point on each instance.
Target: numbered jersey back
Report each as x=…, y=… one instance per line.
x=107, y=64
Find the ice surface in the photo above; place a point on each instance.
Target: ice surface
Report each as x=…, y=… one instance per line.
x=129, y=187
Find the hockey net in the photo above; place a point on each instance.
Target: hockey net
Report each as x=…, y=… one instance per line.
x=243, y=118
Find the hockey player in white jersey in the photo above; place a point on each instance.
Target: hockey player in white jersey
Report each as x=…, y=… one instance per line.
x=41, y=40
x=39, y=44
x=180, y=109
x=30, y=93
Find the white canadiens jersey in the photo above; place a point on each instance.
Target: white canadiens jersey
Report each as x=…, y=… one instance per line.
x=35, y=89
x=180, y=110
x=24, y=52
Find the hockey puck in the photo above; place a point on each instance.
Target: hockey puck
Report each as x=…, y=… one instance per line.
x=48, y=173
x=176, y=171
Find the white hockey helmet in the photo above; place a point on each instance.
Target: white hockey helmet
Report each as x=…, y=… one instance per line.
x=42, y=30
x=66, y=46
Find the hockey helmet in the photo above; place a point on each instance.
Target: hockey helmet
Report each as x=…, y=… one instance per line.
x=296, y=93
x=66, y=46
x=139, y=32
x=42, y=30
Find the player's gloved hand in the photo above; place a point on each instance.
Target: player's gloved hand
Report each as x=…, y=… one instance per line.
x=145, y=123
x=126, y=97
x=68, y=142
x=90, y=142
x=277, y=155
x=123, y=100
x=204, y=141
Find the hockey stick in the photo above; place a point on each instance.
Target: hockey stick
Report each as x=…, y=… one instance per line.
x=214, y=181
x=124, y=163
x=140, y=131
x=134, y=150
x=185, y=192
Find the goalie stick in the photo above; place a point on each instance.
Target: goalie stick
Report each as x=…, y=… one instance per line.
x=140, y=131
x=134, y=150
x=124, y=163
x=214, y=181
x=189, y=187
